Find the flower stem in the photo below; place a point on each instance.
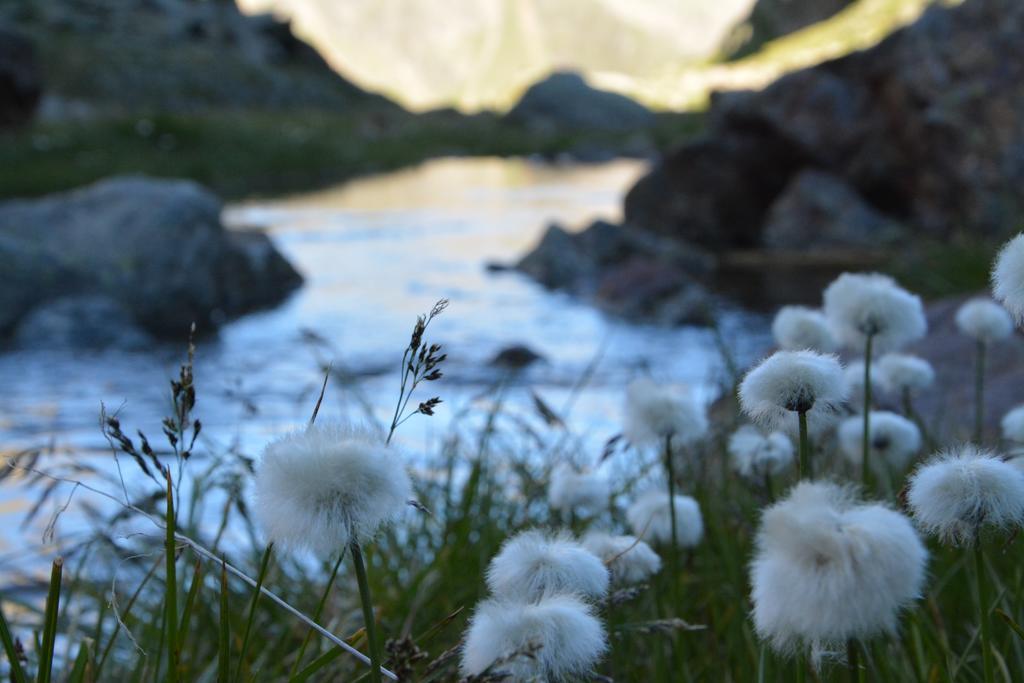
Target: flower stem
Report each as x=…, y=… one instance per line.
x=853, y=660
x=805, y=448
x=368, y=618
x=865, y=465
x=674, y=546
x=979, y=392
x=983, y=607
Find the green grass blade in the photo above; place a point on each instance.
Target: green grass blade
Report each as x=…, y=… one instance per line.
x=317, y=664
x=224, y=635
x=50, y=623
x=190, y=601
x=171, y=597
x=1017, y=628
x=264, y=564
x=17, y=673
x=123, y=616
x=81, y=668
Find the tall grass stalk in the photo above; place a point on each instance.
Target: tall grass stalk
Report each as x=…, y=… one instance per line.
x=865, y=472
x=260, y=578
x=804, y=463
x=50, y=623
x=673, y=560
x=171, y=591
x=979, y=391
x=984, y=605
x=11, y=649
x=316, y=615
x=369, y=619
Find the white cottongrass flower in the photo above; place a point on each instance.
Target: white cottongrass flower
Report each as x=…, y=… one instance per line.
x=957, y=492
x=893, y=440
x=984, y=320
x=1008, y=277
x=796, y=328
x=756, y=455
x=572, y=491
x=554, y=639
x=902, y=373
x=532, y=564
x=859, y=305
x=1013, y=425
x=650, y=518
x=828, y=569
x=655, y=412
x=629, y=559
x=791, y=382
x=854, y=374
x=329, y=484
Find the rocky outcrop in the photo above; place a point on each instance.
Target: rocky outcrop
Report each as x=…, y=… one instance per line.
x=771, y=19
x=155, y=248
x=922, y=130
x=625, y=273
x=20, y=85
x=564, y=101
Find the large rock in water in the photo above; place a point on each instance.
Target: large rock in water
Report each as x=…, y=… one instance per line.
x=20, y=86
x=924, y=128
x=156, y=247
x=564, y=101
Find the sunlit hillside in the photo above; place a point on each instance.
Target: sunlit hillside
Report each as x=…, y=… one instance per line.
x=483, y=53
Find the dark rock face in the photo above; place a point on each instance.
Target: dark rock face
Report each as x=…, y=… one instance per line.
x=626, y=273
x=156, y=247
x=564, y=100
x=924, y=129
x=20, y=85
x=819, y=211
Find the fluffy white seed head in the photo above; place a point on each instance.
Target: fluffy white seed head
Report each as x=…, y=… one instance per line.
x=862, y=304
x=562, y=634
x=755, y=455
x=900, y=372
x=893, y=440
x=796, y=328
x=958, y=492
x=828, y=569
x=569, y=490
x=984, y=320
x=1013, y=425
x=629, y=559
x=653, y=412
x=650, y=518
x=323, y=486
x=788, y=382
x=532, y=564
x=1008, y=277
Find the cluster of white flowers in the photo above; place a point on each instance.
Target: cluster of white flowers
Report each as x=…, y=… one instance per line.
x=790, y=382
x=569, y=490
x=828, y=569
x=755, y=455
x=984, y=320
x=1008, y=277
x=893, y=440
x=539, y=624
x=629, y=559
x=650, y=517
x=326, y=485
x=798, y=328
x=901, y=373
x=654, y=412
x=859, y=305
x=958, y=492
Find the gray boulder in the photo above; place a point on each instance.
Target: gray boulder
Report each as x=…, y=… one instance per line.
x=818, y=211
x=564, y=101
x=156, y=247
x=90, y=321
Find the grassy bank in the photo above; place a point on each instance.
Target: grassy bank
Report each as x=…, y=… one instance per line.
x=240, y=154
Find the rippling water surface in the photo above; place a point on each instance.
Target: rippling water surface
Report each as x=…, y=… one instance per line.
x=376, y=253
